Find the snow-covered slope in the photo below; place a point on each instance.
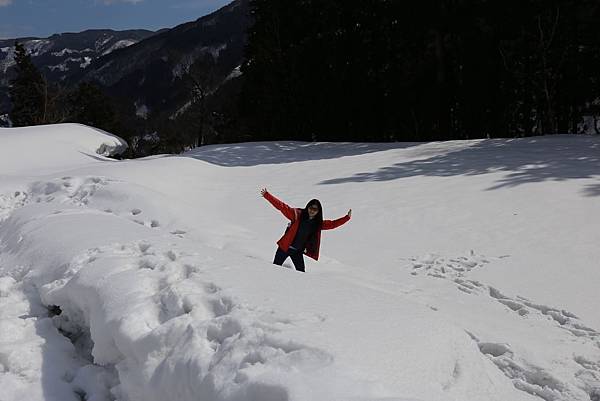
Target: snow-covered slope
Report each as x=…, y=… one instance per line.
x=47, y=147
x=469, y=271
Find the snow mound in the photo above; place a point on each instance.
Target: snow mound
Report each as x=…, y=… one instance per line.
x=49, y=147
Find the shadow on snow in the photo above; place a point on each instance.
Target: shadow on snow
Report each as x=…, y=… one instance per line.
x=524, y=161
x=257, y=153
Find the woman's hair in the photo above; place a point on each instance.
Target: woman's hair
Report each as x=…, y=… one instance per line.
x=319, y=216
x=311, y=242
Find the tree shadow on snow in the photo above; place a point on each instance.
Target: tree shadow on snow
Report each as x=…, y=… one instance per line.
x=523, y=160
x=257, y=153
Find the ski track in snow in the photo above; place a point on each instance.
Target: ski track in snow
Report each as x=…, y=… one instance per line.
x=525, y=376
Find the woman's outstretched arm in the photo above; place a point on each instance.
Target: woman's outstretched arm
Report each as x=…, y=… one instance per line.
x=287, y=211
x=331, y=224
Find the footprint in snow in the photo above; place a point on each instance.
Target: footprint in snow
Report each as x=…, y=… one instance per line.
x=151, y=224
x=537, y=381
x=11, y=202
x=455, y=269
x=449, y=268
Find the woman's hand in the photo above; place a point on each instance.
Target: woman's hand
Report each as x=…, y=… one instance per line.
x=263, y=191
x=350, y=213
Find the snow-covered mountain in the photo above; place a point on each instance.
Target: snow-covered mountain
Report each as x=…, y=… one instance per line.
x=61, y=56
x=468, y=272
x=148, y=72
x=152, y=73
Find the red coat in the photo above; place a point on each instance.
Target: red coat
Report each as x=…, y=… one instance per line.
x=293, y=214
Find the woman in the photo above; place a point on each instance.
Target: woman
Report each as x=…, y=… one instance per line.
x=303, y=234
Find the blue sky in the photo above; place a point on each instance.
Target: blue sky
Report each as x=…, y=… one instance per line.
x=42, y=18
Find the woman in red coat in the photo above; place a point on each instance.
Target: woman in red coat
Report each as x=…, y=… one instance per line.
x=303, y=235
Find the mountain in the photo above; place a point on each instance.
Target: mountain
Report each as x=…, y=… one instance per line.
x=154, y=79
x=158, y=73
x=61, y=56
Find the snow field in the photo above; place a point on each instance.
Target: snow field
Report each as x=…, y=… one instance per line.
x=141, y=332
x=451, y=282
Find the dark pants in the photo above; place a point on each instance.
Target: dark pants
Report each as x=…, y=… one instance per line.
x=296, y=255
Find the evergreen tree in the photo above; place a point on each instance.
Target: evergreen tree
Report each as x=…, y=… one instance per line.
x=420, y=70
x=28, y=91
x=91, y=106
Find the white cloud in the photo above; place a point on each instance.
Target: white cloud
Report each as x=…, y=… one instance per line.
x=5, y=2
